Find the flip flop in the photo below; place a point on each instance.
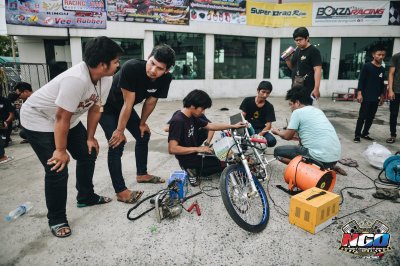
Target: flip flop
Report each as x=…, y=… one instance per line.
x=391, y=140
x=349, y=162
x=339, y=170
x=102, y=200
x=154, y=180
x=135, y=196
x=56, y=230
x=9, y=158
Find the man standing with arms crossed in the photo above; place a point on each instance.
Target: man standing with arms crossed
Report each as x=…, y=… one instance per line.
x=137, y=80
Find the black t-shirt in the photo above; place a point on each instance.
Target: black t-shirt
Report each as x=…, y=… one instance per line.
x=5, y=109
x=185, y=131
x=371, y=82
x=257, y=116
x=202, y=117
x=303, y=62
x=132, y=77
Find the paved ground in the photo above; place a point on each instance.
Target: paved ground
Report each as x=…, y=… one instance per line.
x=102, y=235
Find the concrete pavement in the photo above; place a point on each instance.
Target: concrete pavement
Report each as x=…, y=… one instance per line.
x=102, y=235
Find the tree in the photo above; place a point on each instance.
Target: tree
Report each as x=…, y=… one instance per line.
x=5, y=46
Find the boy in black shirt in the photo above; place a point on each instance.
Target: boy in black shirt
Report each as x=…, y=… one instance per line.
x=6, y=118
x=184, y=132
x=306, y=62
x=137, y=80
x=370, y=92
x=260, y=113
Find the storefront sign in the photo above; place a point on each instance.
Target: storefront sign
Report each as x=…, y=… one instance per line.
x=84, y=5
x=53, y=13
x=149, y=11
x=351, y=13
x=279, y=15
x=224, y=11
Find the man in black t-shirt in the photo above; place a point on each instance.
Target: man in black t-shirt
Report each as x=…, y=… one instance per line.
x=184, y=133
x=136, y=81
x=204, y=137
x=260, y=113
x=370, y=93
x=6, y=118
x=305, y=62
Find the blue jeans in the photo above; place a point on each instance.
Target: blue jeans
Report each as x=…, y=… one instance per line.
x=109, y=123
x=271, y=140
x=56, y=183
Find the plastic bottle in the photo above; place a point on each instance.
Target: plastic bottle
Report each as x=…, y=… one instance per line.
x=20, y=210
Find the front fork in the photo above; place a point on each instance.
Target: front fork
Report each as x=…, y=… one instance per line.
x=253, y=191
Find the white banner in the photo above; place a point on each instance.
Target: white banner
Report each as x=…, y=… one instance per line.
x=350, y=13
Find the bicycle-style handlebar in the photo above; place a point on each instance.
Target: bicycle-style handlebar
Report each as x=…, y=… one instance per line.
x=258, y=140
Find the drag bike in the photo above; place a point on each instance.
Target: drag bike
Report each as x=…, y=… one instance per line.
x=242, y=193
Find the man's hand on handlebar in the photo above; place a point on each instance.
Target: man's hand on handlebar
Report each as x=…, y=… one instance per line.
x=239, y=125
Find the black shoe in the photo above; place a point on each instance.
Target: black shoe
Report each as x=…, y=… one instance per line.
x=356, y=140
x=367, y=137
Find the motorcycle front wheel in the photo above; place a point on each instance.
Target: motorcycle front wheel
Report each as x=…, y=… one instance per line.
x=250, y=212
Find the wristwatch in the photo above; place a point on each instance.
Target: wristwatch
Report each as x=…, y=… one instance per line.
x=206, y=144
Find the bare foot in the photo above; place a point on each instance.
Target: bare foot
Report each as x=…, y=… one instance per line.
x=124, y=195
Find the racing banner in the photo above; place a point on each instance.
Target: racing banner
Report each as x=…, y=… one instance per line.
x=394, y=13
x=279, y=15
x=57, y=13
x=220, y=11
x=351, y=13
x=149, y=11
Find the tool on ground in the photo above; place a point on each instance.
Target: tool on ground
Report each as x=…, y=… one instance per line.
x=391, y=167
x=313, y=209
x=304, y=173
x=195, y=205
x=168, y=202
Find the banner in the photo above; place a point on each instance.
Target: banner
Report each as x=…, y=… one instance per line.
x=279, y=15
x=57, y=13
x=394, y=13
x=149, y=11
x=351, y=13
x=223, y=11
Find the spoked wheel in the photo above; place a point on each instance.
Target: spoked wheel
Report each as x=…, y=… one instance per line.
x=249, y=212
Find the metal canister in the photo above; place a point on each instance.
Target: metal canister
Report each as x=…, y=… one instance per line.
x=290, y=50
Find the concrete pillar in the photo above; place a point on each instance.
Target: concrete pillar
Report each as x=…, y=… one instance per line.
x=260, y=58
x=76, y=46
x=210, y=47
x=148, y=44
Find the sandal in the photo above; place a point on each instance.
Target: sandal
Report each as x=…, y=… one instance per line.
x=56, y=230
x=391, y=140
x=7, y=159
x=349, y=162
x=339, y=170
x=134, y=197
x=102, y=200
x=193, y=177
x=153, y=179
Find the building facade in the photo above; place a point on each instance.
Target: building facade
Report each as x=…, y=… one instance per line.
x=226, y=60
